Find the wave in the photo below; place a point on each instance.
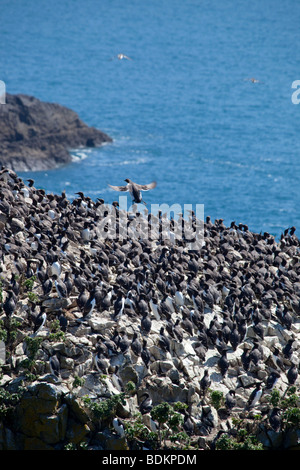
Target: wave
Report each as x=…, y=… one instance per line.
x=136, y=161
x=79, y=155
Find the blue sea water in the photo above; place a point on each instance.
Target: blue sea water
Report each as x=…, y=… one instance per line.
x=182, y=111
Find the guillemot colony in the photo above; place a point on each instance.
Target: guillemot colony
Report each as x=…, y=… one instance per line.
x=179, y=319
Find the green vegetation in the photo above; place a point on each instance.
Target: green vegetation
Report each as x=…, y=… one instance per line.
x=130, y=388
x=56, y=334
x=104, y=409
x=33, y=345
x=8, y=401
x=290, y=406
x=137, y=432
x=169, y=434
x=217, y=398
x=28, y=283
x=78, y=381
x=242, y=441
x=29, y=364
x=241, y=438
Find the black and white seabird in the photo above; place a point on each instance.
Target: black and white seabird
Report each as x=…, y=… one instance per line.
x=100, y=362
x=116, y=380
x=9, y=305
x=39, y=322
x=146, y=404
x=134, y=189
x=230, y=400
x=255, y=354
x=145, y=355
x=223, y=363
x=124, y=342
x=63, y=322
x=60, y=287
x=272, y=380
x=118, y=427
x=292, y=374
x=287, y=350
x=254, y=396
x=188, y=424
x=205, y=382
x=164, y=341
x=275, y=419
x=277, y=360
x=146, y=323
x=136, y=345
x=178, y=331
x=54, y=365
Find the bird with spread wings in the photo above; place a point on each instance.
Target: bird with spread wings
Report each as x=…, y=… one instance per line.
x=135, y=189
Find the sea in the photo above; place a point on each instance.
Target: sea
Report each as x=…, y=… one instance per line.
x=207, y=103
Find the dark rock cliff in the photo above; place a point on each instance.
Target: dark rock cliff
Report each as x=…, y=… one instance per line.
x=35, y=135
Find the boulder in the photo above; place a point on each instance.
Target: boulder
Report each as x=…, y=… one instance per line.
x=41, y=415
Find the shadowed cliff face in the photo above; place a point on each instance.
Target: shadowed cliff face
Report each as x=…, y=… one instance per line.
x=35, y=135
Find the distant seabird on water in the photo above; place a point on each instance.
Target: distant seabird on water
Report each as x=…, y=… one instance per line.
x=252, y=80
x=134, y=189
x=121, y=57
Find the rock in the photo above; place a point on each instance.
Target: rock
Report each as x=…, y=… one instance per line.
x=16, y=224
x=36, y=135
x=76, y=409
x=148, y=421
x=8, y=439
x=77, y=432
x=94, y=387
x=116, y=443
x=128, y=374
x=174, y=375
x=210, y=416
x=55, y=304
x=101, y=323
x=33, y=443
x=53, y=428
x=41, y=415
x=270, y=439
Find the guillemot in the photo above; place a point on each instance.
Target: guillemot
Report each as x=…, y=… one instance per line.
x=134, y=189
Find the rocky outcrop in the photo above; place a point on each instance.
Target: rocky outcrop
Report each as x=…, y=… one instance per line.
x=239, y=294
x=36, y=135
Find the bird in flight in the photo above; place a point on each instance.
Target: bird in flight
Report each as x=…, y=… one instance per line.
x=121, y=57
x=253, y=80
x=135, y=189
